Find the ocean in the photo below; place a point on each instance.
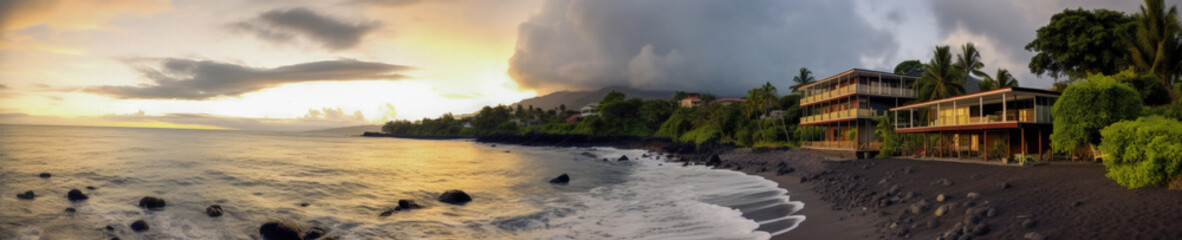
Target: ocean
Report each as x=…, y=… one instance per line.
x=342, y=183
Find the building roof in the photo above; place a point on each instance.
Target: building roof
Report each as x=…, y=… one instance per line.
x=692, y=98
x=859, y=71
x=979, y=94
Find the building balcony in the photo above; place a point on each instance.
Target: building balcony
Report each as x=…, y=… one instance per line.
x=842, y=114
x=865, y=89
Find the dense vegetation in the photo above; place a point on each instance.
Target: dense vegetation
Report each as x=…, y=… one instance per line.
x=1145, y=152
x=1088, y=106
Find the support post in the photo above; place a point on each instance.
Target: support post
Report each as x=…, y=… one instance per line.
x=985, y=145
x=1003, y=108
x=981, y=109
x=1040, y=144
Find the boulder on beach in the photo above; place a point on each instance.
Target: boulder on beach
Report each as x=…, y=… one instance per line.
x=388, y=212
x=1029, y=223
x=276, y=229
x=213, y=210
x=152, y=203
x=405, y=204
x=714, y=160
x=455, y=197
x=28, y=195
x=76, y=195
x=1034, y=236
x=561, y=179
x=70, y=210
x=139, y=225
x=45, y=175
x=622, y=158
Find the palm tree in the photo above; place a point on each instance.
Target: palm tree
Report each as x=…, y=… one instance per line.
x=940, y=79
x=805, y=78
x=969, y=62
x=1003, y=80
x=758, y=101
x=1154, y=44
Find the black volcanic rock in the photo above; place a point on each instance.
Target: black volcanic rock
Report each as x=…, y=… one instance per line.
x=28, y=195
x=76, y=195
x=714, y=160
x=153, y=203
x=214, y=210
x=275, y=229
x=314, y=233
x=45, y=175
x=622, y=158
x=407, y=205
x=139, y=226
x=455, y=197
x=561, y=179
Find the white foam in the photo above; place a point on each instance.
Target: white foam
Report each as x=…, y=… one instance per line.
x=667, y=201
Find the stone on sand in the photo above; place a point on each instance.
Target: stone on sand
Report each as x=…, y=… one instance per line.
x=455, y=197
x=76, y=195
x=276, y=229
x=153, y=203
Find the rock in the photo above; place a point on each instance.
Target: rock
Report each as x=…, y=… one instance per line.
x=386, y=213
x=304, y=204
x=494, y=145
x=139, y=226
x=933, y=224
x=965, y=237
x=561, y=179
x=110, y=228
x=333, y=237
x=455, y=197
x=1034, y=236
x=971, y=219
x=785, y=170
x=1076, y=204
x=940, y=198
x=981, y=229
x=152, y=203
x=992, y=212
x=1029, y=223
x=967, y=204
x=714, y=160
x=907, y=170
x=275, y=229
x=1005, y=185
x=76, y=195
x=90, y=188
x=45, y=175
x=884, y=202
x=70, y=210
x=28, y=195
x=622, y=158
x=214, y=210
x=894, y=189
x=803, y=179
x=973, y=195
x=943, y=209
x=407, y=205
x=918, y=208
x=314, y=233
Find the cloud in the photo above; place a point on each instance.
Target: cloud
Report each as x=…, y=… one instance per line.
x=389, y=3
x=2, y=86
x=281, y=25
x=315, y=119
x=67, y=15
x=701, y=45
x=202, y=79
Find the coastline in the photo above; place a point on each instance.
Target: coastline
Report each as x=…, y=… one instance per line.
x=896, y=198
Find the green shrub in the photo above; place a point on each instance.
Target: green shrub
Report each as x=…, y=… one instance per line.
x=1088, y=106
x=892, y=144
x=851, y=135
x=1145, y=152
x=702, y=135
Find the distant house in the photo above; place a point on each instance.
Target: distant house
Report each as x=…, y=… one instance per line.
x=729, y=101
x=574, y=118
x=467, y=125
x=691, y=101
x=589, y=110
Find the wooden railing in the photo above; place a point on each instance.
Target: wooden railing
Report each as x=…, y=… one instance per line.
x=859, y=88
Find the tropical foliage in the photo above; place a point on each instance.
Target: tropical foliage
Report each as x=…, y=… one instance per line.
x=910, y=68
x=1088, y=106
x=1154, y=44
x=1142, y=153
x=1080, y=42
x=1003, y=79
x=804, y=78
x=940, y=79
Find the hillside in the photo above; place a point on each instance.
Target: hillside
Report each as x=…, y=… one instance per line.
x=578, y=99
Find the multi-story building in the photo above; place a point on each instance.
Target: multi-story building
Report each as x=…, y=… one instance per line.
x=841, y=108
x=1003, y=123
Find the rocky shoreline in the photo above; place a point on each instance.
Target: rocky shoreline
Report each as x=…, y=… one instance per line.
x=899, y=198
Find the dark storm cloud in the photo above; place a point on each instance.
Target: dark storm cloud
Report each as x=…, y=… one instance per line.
x=282, y=25
x=724, y=47
x=389, y=3
x=201, y=79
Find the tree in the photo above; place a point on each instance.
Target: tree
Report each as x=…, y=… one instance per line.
x=613, y=96
x=655, y=112
x=1088, y=106
x=1150, y=87
x=759, y=100
x=805, y=77
x=1003, y=79
x=910, y=68
x=940, y=78
x=1154, y=44
x=969, y=61
x=1079, y=42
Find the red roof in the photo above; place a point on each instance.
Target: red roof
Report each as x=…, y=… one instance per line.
x=574, y=118
x=692, y=98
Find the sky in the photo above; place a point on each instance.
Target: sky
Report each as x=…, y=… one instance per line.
x=311, y=64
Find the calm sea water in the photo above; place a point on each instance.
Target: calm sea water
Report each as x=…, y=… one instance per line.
x=347, y=181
